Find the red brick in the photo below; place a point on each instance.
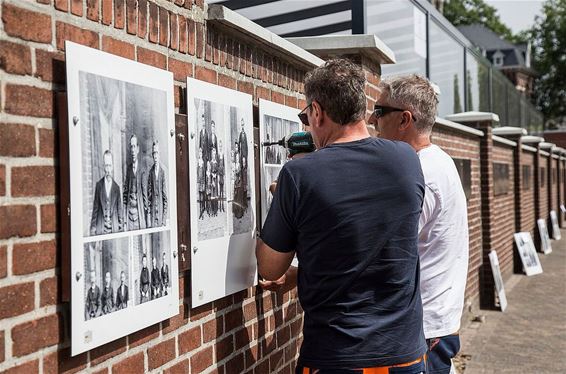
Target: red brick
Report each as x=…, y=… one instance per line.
x=208, y=44
x=65, y=31
x=263, y=93
x=28, y=101
x=277, y=359
x=174, y=322
x=251, y=355
x=49, y=218
x=180, y=368
x=46, y=143
x=244, y=336
x=174, y=32
x=189, y=340
x=118, y=47
x=119, y=16
x=131, y=364
x=62, y=5
x=61, y=362
x=92, y=12
x=153, y=23
x=262, y=367
x=131, y=17
x=17, y=220
x=33, y=181
x=30, y=337
x=236, y=364
x=161, y=354
x=291, y=101
x=205, y=74
x=183, y=35
x=246, y=87
x=146, y=56
x=49, y=292
x=143, y=336
x=50, y=66
x=15, y=58
x=233, y=320
x=77, y=7
x=2, y=180
x=107, y=10
x=33, y=257
x=3, y=261
x=26, y=24
x=2, y=347
x=224, y=348
x=201, y=360
x=16, y=299
x=277, y=97
x=192, y=36
x=178, y=93
x=23, y=140
x=107, y=351
x=142, y=18
x=163, y=27
x=227, y=81
x=201, y=311
x=30, y=367
x=180, y=69
x=212, y=329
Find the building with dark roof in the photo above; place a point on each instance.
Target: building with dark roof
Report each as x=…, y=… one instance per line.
x=513, y=60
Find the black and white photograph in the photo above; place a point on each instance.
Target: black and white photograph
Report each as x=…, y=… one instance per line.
x=107, y=272
x=498, y=280
x=122, y=195
x=546, y=246
x=151, y=267
x=276, y=122
x=528, y=253
x=556, y=235
x=222, y=200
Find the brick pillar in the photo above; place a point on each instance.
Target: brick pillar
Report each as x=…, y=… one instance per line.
x=484, y=122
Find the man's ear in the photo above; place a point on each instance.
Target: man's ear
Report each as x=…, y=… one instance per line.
x=406, y=120
x=316, y=112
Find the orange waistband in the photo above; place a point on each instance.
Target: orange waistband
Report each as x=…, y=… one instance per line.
x=375, y=370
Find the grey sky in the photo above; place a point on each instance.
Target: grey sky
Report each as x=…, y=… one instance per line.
x=518, y=15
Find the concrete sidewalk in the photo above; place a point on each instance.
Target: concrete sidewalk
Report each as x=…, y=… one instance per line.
x=530, y=336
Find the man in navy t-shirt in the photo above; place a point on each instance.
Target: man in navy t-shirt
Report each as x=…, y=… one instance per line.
x=350, y=211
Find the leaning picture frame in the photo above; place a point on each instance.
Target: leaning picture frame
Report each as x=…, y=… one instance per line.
x=545, y=244
x=527, y=253
x=122, y=196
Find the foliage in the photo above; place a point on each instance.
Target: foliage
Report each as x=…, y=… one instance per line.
x=469, y=12
x=549, y=60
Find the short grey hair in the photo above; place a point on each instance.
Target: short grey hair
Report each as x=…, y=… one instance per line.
x=415, y=94
x=339, y=87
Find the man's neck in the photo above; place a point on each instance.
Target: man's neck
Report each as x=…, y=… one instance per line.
x=419, y=142
x=348, y=133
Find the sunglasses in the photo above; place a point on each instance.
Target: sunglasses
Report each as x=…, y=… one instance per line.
x=380, y=111
x=303, y=116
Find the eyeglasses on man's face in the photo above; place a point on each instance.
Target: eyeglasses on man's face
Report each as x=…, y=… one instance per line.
x=303, y=115
x=381, y=110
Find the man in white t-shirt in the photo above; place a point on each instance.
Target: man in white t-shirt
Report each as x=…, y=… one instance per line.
x=406, y=110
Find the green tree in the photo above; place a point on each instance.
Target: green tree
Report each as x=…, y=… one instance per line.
x=549, y=60
x=469, y=12
x=457, y=102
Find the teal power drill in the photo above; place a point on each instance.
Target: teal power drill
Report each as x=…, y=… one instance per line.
x=297, y=142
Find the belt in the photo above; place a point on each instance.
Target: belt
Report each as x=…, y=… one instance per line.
x=374, y=370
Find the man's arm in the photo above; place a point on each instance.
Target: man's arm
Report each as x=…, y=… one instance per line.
x=272, y=264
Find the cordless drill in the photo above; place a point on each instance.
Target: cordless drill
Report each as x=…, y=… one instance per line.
x=297, y=142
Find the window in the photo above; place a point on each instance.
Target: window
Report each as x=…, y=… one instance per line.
x=500, y=178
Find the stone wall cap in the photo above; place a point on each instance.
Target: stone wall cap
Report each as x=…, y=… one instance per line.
x=458, y=127
x=473, y=117
x=556, y=157
x=547, y=145
x=509, y=130
x=367, y=44
x=528, y=148
x=531, y=139
x=220, y=14
x=545, y=153
x=499, y=139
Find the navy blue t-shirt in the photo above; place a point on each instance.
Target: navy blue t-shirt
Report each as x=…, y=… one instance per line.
x=351, y=211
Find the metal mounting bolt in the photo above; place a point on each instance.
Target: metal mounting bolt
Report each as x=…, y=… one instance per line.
x=75, y=120
x=78, y=275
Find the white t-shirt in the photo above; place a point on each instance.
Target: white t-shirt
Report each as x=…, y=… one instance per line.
x=443, y=244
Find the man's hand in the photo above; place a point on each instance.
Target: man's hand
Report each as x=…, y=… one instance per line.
x=272, y=285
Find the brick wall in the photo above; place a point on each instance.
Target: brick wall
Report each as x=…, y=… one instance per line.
x=504, y=211
x=528, y=216
x=461, y=145
x=552, y=185
x=250, y=331
x=543, y=189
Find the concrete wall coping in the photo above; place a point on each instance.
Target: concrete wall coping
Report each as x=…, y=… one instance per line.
x=224, y=16
x=458, y=127
x=499, y=139
x=547, y=145
x=545, y=153
x=367, y=44
x=509, y=130
x=473, y=117
x=531, y=139
x=555, y=156
x=528, y=148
